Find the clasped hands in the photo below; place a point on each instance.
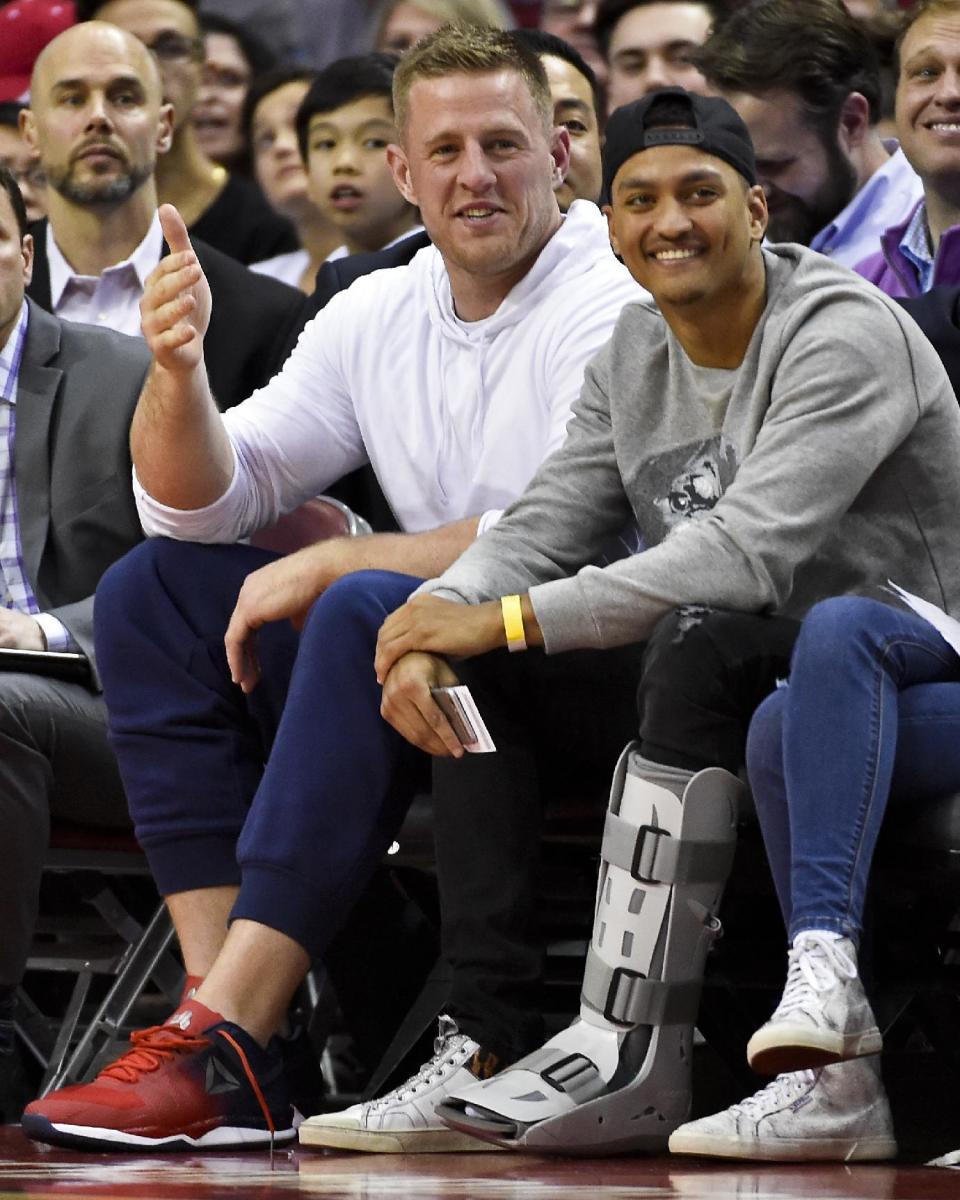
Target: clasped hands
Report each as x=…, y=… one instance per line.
x=410, y=648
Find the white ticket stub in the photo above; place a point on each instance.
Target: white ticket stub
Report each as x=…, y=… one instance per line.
x=947, y=627
x=460, y=709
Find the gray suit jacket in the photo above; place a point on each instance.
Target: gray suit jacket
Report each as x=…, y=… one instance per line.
x=77, y=390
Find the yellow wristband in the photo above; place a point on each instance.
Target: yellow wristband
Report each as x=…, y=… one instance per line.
x=513, y=622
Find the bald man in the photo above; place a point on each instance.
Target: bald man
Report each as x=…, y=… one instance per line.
x=98, y=122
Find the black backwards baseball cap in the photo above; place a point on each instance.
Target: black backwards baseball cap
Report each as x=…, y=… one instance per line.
x=710, y=124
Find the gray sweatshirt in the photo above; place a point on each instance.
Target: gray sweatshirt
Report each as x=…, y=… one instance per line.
x=828, y=461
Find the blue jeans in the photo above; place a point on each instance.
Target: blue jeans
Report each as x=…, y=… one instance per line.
x=871, y=712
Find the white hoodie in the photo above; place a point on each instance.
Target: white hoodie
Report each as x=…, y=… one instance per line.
x=455, y=417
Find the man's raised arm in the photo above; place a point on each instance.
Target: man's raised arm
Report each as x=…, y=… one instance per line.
x=180, y=450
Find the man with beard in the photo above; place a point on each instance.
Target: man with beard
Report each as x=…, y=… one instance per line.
x=98, y=123
x=804, y=77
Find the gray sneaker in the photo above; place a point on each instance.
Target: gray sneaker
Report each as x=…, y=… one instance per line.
x=404, y=1120
x=834, y=1114
x=824, y=1015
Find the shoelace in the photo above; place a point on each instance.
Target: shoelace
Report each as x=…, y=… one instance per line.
x=777, y=1091
x=151, y=1049
x=815, y=965
x=154, y=1046
x=447, y=1049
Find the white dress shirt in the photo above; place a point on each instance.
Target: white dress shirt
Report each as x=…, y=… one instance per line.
x=110, y=299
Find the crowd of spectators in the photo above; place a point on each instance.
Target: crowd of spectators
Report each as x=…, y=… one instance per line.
x=632, y=328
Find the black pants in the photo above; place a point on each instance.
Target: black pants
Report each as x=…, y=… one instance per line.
x=560, y=723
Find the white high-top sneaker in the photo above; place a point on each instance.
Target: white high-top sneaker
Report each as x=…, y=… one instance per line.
x=404, y=1121
x=837, y=1113
x=824, y=1015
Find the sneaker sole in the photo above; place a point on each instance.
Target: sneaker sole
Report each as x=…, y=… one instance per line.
x=785, y=1149
x=401, y=1141
x=89, y=1137
x=784, y=1048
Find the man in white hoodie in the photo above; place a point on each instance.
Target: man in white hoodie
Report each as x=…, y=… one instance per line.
x=453, y=377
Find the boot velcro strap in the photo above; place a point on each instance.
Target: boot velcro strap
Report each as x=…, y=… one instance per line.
x=653, y=855
x=574, y=1074
x=629, y=998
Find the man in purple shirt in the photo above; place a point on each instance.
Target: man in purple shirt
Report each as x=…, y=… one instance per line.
x=922, y=251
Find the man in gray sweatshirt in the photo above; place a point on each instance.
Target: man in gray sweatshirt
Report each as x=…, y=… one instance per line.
x=780, y=432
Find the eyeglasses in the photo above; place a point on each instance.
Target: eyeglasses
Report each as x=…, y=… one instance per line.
x=176, y=47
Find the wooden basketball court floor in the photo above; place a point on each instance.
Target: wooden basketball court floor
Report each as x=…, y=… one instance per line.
x=29, y=1170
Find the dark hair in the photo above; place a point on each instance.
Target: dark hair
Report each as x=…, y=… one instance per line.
x=10, y=111
x=667, y=111
x=609, y=13
x=541, y=43
x=341, y=83
x=258, y=54
x=813, y=48
x=12, y=188
x=263, y=85
x=87, y=10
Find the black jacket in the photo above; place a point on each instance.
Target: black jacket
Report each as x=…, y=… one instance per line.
x=936, y=312
x=251, y=317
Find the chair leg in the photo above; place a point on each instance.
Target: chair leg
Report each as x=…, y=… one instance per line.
x=424, y=1011
x=167, y=973
x=68, y=1028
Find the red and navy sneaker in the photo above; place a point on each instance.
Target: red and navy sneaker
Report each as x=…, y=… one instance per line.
x=195, y=1082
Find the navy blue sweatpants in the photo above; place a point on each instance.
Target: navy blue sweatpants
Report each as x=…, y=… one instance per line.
x=293, y=793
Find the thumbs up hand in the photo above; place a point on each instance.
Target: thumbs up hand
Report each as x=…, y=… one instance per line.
x=175, y=308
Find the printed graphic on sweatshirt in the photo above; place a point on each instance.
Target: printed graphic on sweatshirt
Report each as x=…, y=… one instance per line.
x=683, y=484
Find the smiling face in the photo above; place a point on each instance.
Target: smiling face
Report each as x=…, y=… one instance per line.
x=687, y=226
x=807, y=177
x=96, y=119
x=481, y=164
x=573, y=109
x=928, y=99
x=349, y=178
x=650, y=48
x=276, y=155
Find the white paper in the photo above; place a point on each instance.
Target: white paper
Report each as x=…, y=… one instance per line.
x=484, y=743
x=947, y=627
x=469, y=714
x=946, y=1160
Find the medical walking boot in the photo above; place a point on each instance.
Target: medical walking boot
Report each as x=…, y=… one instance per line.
x=618, y=1078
